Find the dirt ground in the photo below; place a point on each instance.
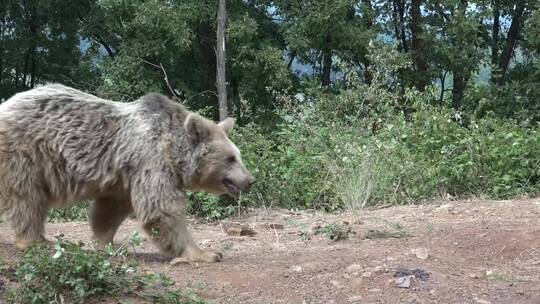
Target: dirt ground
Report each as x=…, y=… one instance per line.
x=477, y=252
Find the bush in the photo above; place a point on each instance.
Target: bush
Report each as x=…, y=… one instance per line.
x=70, y=274
x=310, y=163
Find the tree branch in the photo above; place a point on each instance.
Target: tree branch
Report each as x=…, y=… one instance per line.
x=175, y=96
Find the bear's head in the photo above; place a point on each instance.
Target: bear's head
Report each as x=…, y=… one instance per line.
x=219, y=166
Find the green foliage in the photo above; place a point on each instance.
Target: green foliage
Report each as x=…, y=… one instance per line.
x=334, y=231
x=68, y=273
x=77, y=212
x=212, y=207
x=329, y=164
x=380, y=132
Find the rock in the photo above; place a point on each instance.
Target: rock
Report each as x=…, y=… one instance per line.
x=421, y=253
x=482, y=301
x=380, y=269
x=336, y=284
x=367, y=274
x=404, y=282
x=355, y=299
x=296, y=268
x=445, y=207
x=473, y=276
x=235, y=229
x=418, y=273
x=353, y=268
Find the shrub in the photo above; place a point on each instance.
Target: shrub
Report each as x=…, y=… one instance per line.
x=70, y=274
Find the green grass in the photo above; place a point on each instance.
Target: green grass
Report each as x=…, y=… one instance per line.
x=77, y=212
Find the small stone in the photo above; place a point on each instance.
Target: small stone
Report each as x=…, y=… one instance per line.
x=236, y=229
x=482, y=301
x=336, y=284
x=353, y=268
x=379, y=269
x=404, y=282
x=367, y=274
x=355, y=299
x=445, y=206
x=374, y=290
x=473, y=276
x=296, y=268
x=421, y=253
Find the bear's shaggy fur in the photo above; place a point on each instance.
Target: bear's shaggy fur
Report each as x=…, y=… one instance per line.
x=59, y=145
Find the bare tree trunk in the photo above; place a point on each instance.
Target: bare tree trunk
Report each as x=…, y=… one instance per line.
x=33, y=70
x=327, y=62
x=417, y=47
x=401, y=9
x=220, y=56
x=1, y=44
x=458, y=89
x=443, y=80
x=292, y=56
x=495, y=33
x=26, y=64
x=511, y=40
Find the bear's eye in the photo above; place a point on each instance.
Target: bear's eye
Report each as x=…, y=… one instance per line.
x=231, y=159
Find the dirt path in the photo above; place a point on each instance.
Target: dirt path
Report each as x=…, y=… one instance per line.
x=479, y=252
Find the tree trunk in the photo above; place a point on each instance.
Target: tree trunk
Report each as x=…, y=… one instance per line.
x=327, y=62
x=443, y=80
x=26, y=64
x=511, y=40
x=33, y=70
x=396, y=26
x=220, y=56
x=495, y=33
x=401, y=11
x=1, y=45
x=369, y=14
x=417, y=47
x=458, y=89
x=291, y=59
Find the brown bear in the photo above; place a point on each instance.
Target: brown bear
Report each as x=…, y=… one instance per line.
x=59, y=145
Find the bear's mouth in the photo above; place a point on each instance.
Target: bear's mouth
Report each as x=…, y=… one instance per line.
x=231, y=187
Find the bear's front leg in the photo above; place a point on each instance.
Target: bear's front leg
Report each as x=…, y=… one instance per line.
x=172, y=236
x=161, y=208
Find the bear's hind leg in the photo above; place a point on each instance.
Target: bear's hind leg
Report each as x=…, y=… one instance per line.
x=28, y=222
x=107, y=214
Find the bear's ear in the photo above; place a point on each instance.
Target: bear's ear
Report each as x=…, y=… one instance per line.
x=227, y=125
x=196, y=128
